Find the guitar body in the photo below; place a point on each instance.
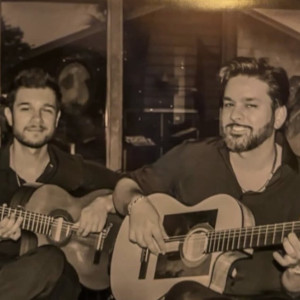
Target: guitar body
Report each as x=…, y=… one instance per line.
x=131, y=279
x=80, y=252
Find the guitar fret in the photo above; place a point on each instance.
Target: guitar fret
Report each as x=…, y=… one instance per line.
x=42, y=218
x=223, y=241
x=22, y=215
x=45, y=224
x=228, y=240
x=49, y=226
x=214, y=243
x=239, y=239
x=218, y=247
x=245, y=238
x=274, y=235
x=233, y=239
x=266, y=235
x=251, y=237
x=31, y=221
x=258, y=236
x=42, y=224
x=24, y=220
x=2, y=213
x=28, y=220
x=282, y=233
x=36, y=223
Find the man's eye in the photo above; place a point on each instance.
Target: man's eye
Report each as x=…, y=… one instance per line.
x=48, y=110
x=24, y=108
x=227, y=105
x=251, y=105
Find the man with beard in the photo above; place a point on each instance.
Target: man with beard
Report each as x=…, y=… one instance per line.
x=251, y=162
x=33, y=113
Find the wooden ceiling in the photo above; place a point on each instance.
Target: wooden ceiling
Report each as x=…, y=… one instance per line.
x=194, y=4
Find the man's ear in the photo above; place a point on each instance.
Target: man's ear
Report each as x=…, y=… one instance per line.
x=280, y=116
x=8, y=116
x=57, y=118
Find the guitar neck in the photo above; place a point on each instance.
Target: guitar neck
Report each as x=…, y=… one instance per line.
x=249, y=237
x=35, y=222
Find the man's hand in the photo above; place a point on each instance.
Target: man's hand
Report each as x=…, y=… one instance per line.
x=145, y=227
x=10, y=227
x=93, y=216
x=291, y=261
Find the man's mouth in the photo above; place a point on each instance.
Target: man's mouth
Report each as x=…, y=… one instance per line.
x=35, y=129
x=236, y=129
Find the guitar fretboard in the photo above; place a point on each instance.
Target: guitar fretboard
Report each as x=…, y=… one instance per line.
x=35, y=222
x=249, y=237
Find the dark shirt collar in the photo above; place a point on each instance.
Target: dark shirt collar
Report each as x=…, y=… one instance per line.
x=52, y=165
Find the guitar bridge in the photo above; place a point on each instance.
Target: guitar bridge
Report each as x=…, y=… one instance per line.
x=100, y=243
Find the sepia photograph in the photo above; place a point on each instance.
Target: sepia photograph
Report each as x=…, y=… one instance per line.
x=150, y=150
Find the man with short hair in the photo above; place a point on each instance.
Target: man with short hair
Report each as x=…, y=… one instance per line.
x=33, y=112
x=250, y=163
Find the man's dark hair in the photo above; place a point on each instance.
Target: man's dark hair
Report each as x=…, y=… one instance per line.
x=275, y=77
x=33, y=78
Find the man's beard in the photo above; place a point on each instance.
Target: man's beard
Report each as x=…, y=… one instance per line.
x=32, y=144
x=247, y=142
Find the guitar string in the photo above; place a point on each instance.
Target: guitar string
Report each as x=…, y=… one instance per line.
x=41, y=219
x=215, y=235
x=37, y=216
x=234, y=231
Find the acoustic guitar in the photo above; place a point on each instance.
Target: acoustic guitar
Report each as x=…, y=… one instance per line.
x=202, y=243
x=50, y=212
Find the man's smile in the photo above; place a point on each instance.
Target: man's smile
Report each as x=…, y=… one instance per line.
x=35, y=128
x=238, y=129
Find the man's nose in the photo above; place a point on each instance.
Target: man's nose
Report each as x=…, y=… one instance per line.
x=237, y=113
x=37, y=115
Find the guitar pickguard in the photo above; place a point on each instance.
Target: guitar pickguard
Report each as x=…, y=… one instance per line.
x=171, y=265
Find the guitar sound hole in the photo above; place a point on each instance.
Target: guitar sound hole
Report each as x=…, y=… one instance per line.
x=61, y=230
x=193, y=248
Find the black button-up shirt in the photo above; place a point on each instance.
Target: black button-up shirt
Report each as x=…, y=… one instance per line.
x=70, y=172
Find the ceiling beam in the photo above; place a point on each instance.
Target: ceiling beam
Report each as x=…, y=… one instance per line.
x=273, y=23
x=59, y=1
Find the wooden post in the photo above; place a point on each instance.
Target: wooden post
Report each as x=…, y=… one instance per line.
x=114, y=101
x=0, y=48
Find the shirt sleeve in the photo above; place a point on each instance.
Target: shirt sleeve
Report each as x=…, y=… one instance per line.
x=161, y=176
x=96, y=176
x=80, y=176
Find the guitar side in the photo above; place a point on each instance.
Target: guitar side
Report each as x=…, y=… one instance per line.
x=80, y=252
x=131, y=279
